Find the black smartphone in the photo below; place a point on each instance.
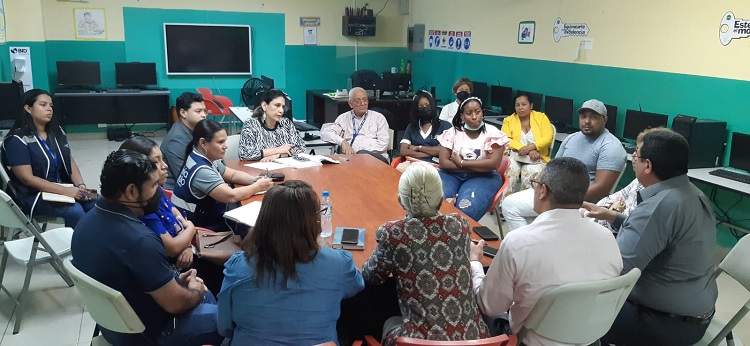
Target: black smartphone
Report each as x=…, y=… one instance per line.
x=350, y=236
x=490, y=251
x=274, y=176
x=485, y=233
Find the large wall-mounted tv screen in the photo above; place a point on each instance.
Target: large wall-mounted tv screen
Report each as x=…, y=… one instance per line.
x=208, y=49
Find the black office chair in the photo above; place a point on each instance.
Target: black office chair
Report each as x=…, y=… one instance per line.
x=366, y=79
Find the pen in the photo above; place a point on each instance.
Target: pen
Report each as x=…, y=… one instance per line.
x=267, y=174
x=343, y=158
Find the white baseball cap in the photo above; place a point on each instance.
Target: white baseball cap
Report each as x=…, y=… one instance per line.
x=594, y=105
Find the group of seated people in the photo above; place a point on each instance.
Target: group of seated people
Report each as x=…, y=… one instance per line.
x=286, y=286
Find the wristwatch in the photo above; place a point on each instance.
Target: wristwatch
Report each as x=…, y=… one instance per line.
x=419, y=148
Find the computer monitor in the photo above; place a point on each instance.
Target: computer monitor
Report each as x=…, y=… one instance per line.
x=366, y=79
x=135, y=73
x=268, y=83
x=395, y=82
x=78, y=73
x=502, y=97
x=480, y=91
x=559, y=110
x=536, y=99
x=611, y=125
x=637, y=121
x=739, y=156
x=12, y=95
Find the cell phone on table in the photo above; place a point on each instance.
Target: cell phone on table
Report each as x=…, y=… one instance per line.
x=485, y=233
x=490, y=251
x=274, y=176
x=350, y=236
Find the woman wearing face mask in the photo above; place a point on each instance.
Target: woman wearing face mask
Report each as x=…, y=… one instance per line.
x=530, y=134
x=160, y=215
x=470, y=153
x=420, y=138
x=267, y=135
x=462, y=89
x=202, y=190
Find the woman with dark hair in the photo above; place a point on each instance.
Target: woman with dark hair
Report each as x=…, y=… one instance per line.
x=284, y=289
x=420, y=138
x=267, y=135
x=202, y=190
x=470, y=153
x=531, y=136
x=175, y=231
x=36, y=150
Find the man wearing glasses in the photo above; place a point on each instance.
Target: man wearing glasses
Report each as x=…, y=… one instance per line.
x=558, y=248
x=359, y=131
x=670, y=237
x=597, y=148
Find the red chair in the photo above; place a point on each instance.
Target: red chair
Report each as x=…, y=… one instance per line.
x=396, y=161
x=500, y=340
x=499, y=195
x=217, y=106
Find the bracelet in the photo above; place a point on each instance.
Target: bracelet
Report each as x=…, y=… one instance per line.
x=81, y=184
x=419, y=148
x=462, y=163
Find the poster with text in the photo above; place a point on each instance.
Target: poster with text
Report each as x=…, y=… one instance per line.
x=449, y=40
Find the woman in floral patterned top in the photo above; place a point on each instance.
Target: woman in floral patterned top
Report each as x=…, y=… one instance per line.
x=428, y=254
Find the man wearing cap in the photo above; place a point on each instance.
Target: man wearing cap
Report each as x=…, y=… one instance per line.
x=599, y=150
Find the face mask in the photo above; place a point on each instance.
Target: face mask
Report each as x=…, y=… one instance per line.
x=425, y=114
x=462, y=95
x=466, y=126
x=152, y=204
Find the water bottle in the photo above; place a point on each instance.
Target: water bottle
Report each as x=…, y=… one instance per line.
x=325, y=215
x=403, y=66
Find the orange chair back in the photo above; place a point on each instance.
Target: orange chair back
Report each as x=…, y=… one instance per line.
x=206, y=93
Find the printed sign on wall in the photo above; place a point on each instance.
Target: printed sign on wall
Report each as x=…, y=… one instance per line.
x=20, y=62
x=562, y=29
x=732, y=28
x=456, y=41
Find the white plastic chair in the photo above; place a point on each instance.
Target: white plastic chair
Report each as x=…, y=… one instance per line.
x=737, y=266
x=335, y=148
x=389, y=149
x=32, y=250
x=579, y=313
x=233, y=148
x=107, y=306
x=614, y=186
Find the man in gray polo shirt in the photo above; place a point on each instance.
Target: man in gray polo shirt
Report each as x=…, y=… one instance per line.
x=670, y=237
x=599, y=150
x=192, y=109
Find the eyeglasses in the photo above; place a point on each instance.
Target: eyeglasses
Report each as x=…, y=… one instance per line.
x=535, y=183
x=361, y=101
x=635, y=155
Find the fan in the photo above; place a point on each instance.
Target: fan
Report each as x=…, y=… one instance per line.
x=250, y=91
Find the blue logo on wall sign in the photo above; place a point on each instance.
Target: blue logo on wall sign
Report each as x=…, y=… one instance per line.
x=467, y=43
x=450, y=42
x=459, y=44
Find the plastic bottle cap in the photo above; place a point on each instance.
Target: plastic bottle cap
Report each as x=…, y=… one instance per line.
x=325, y=193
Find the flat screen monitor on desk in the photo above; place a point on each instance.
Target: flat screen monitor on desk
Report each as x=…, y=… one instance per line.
x=502, y=97
x=739, y=155
x=135, y=73
x=268, y=83
x=611, y=119
x=637, y=121
x=536, y=99
x=78, y=73
x=12, y=105
x=395, y=82
x=560, y=112
x=480, y=91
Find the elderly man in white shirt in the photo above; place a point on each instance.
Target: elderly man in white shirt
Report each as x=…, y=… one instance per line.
x=559, y=247
x=360, y=131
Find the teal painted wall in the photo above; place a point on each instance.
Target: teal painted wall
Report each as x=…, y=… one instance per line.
x=105, y=52
x=659, y=92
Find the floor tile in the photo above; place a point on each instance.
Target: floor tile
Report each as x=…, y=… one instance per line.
x=45, y=330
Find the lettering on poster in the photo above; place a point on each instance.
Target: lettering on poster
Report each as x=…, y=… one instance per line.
x=732, y=28
x=562, y=29
x=450, y=40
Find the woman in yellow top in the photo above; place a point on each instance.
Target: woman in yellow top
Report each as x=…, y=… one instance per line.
x=531, y=135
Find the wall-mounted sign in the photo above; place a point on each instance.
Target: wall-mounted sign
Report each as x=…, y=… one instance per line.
x=562, y=29
x=20, y=62
x=309, y=21
x=526, y=32
x=732, y=28
x=89, y=24
x=456, y=41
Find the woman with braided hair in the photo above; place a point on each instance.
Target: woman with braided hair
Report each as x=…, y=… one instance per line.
x=428, y=255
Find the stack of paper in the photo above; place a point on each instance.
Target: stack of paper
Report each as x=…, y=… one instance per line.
x=266, y=165
x=337, y=239
x=246, y=214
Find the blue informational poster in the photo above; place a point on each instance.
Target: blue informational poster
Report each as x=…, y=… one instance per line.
x=456, y=41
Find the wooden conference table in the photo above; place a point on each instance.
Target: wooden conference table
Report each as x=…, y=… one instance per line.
x=364, y=193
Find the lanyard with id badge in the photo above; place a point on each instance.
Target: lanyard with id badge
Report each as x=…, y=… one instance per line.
x=53, y=156
x=355, y=129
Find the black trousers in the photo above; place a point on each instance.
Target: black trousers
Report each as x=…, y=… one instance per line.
x=640, y=326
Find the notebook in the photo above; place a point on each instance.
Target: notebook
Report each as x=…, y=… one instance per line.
x=54, y=197
x=246, y=214
x=337, y=239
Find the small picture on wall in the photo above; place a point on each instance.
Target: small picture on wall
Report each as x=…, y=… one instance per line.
x=526, y=32
x=90, y=24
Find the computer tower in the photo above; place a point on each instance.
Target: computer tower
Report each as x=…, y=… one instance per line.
x=707, y=139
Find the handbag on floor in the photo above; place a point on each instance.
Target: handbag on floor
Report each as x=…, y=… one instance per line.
x=216, y=247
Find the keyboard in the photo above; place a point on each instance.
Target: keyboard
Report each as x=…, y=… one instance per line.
x=76, y=91
x=736, y=176
x=303, y=126
x=6, y=124
x=122, y=91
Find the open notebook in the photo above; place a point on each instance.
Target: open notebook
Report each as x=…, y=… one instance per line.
x=246, y=214
x=54, y=197
x=303, y=160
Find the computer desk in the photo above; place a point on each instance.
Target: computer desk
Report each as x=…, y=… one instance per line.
x=322, y=109
x=78, y=108
x=244, y=113
x=364, y=192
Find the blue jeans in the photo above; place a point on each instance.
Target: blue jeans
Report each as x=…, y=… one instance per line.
x=70, y=212
x=474, y=192
x=197, y=326
x=638, y=326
